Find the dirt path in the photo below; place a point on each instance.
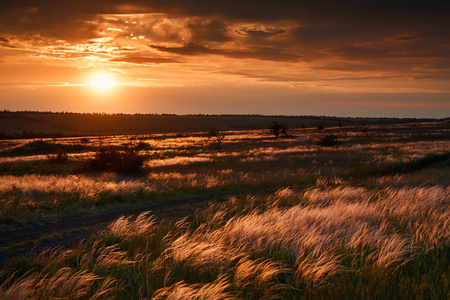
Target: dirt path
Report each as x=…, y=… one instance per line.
x=68, y=233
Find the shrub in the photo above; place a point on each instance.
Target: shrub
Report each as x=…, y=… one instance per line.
x=320, y=127
x=328, y=141
x=61, y=157
x=277, y=129
x=126, y=160
x=219, y=137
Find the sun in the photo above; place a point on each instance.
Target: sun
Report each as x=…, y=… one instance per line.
x=102, y=82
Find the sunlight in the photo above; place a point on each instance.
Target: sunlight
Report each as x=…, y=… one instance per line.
x=102, y=82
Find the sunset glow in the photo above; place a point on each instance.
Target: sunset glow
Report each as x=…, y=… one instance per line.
x=297, y=57
x=102, y=82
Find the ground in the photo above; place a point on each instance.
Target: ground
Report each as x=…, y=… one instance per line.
x=331, y=213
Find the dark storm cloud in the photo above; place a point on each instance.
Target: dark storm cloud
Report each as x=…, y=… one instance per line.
x=261, y=53
x=145, y=60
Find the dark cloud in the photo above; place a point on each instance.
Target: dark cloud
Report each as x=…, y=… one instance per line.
x=28, y=18
x=356, y=52
x=145, y=60
x=362, y=52
x=372, y=33
x=272, y=54
x=207, y=30
x=299, y=79
x=187, y=49
x=406, y=38
x=4, y=42
x=263, y=33
x=261, y=54
x=378, y=15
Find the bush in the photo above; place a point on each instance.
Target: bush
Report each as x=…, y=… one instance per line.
x=278, y=129
x=328, y=141
x=126, y=160
x=61, y=157
x=219, y=136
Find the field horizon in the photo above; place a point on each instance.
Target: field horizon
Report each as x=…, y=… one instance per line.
x=35, y=124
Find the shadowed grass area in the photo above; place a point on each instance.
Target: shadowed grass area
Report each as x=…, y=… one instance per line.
x=430, y=161
x=42, y=147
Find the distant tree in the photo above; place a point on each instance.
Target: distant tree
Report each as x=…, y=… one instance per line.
x=320, y=127
x=278, y=129
x=219, y=136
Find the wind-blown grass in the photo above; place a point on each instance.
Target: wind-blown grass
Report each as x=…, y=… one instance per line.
x=290, y=244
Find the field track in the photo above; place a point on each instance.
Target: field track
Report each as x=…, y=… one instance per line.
x=67, y=233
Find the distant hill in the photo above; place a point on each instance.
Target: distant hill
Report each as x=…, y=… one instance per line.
x=47, y=124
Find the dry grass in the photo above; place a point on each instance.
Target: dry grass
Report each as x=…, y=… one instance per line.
x=291, y=238
x=337, y=235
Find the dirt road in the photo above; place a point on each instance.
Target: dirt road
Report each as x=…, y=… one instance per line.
x=68, y=233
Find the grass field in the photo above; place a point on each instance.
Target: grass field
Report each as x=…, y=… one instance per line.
x=342, y=213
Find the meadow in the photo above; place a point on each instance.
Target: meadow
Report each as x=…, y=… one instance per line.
x=347, y=212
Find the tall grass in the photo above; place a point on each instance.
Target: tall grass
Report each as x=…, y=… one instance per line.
x=296, y=244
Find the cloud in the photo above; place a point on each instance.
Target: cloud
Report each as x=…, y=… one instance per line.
x=362, y=52
x=355, y=40
x=32, y=84
x=271, y=54
x=315, y=79
x=145, y=60
x=260, y=33
x=187, y=49
x=208, y=30
x=4, y=42
x=406, y=38
x=80, y=16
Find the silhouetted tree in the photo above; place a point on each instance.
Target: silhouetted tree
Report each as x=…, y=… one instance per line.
x=219, y=136
x=278, y=129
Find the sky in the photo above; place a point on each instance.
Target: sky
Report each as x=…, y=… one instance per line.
x=373, y=58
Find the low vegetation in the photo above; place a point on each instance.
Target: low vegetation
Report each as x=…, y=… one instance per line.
x=278, y=129
x=123, y=160
x=330, y=214
x=328, y=141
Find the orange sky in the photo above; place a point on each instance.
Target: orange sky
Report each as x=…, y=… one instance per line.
x=353, y=58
